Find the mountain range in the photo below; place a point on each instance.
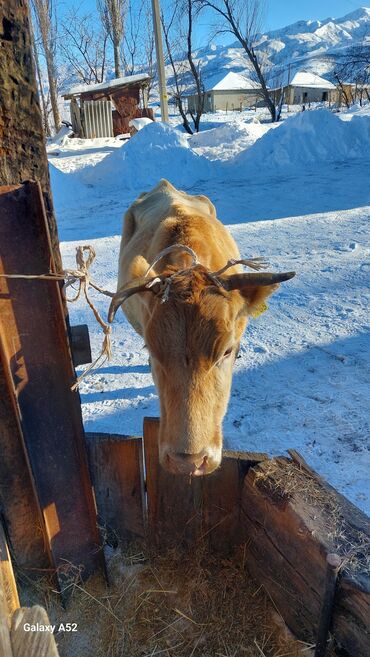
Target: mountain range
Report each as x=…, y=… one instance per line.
x=314, y=46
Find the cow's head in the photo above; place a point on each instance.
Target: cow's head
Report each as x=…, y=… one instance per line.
x=193, y=339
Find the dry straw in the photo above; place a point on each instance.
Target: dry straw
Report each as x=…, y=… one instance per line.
x=173, y=605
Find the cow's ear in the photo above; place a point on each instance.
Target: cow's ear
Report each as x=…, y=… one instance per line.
x=255, y=297
x=139, y=267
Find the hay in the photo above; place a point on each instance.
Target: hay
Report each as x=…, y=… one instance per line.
x=173, y=605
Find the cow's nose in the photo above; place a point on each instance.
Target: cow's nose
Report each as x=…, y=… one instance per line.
x=194, y=464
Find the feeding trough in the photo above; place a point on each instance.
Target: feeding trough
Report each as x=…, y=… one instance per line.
x=249, y=542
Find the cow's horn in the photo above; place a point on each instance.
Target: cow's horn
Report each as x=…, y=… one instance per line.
x=124, y=293
x=238, y=281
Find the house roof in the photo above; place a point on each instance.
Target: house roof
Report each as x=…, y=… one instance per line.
x=233, y=82
x=111, y=85
x=310, y=80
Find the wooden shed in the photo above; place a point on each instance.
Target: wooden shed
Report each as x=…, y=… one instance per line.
x=106, y=109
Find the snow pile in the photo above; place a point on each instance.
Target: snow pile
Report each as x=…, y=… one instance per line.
x=65, y=187
x=140, y=123
x=226, y=141
x=156, y=151
x=309, y=138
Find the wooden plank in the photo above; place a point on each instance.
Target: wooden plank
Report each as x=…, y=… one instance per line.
x=33, y=642
x=7, y=580
x=18, y=502
x=80, y=345
x=39, y=371
x=116, y=467
x=292, y=520
x=5, y=645
x=184, y=510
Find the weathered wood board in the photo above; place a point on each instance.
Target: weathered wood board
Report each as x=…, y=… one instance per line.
x=8, y=585
x=182, y=510
x=116, y=467
x=292, y=520
x=32, y=643
x=39, y=371
x=5, y=645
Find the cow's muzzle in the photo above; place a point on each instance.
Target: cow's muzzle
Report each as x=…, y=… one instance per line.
x=189, y=464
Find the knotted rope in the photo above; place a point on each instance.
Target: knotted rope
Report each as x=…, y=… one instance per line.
x=81, y=275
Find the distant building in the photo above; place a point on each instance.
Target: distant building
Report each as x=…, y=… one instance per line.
x=233, y=91
x=305, y=88
x=106, y=109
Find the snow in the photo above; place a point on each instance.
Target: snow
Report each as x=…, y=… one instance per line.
x=233, y=82
x=106, y=86
x=140, y=123
x=166, y=154
x=296, y=193
x=310, y=137
x=307, y=79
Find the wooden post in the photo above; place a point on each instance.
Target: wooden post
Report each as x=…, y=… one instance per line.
x=39, y=374
x=116, y=467
x=22, y=156
x=41, y=433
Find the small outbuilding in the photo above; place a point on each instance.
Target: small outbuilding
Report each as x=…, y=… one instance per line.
x=106, y=109
x=233, y=91
x=306, y=87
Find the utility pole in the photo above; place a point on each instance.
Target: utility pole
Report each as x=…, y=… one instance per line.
x=160, y=60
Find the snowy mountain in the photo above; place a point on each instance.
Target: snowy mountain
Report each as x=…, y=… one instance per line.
x=315, y=46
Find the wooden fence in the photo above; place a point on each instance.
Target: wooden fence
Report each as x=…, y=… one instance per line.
x=289, y=530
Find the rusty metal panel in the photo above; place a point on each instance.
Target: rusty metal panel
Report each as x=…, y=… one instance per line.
x=40, y=373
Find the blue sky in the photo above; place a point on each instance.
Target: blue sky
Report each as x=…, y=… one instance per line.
x=278, y=14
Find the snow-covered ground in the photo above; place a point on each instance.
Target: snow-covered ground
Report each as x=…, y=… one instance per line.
x=298, y=194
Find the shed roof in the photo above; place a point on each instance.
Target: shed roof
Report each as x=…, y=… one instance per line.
x=311, y=80
x=111, y=85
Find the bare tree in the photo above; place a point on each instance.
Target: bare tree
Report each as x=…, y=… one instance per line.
x=45, y=21
x=133, y=40
x=112, y=14
x=243, y=19
x=84, y=46
x=177, y=28
x=353, y=73
x=196, y=114
x=138, y=43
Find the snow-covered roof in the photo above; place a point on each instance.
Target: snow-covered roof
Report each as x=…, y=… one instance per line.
x=106, y=86
x=233, y=82
x=312, y=80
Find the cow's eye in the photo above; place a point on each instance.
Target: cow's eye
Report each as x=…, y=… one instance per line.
x=228, y=352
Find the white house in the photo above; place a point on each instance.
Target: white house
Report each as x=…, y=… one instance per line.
x=306, y=87
x=230, y=91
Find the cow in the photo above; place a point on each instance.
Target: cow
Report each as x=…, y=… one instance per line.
x=181, y=285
